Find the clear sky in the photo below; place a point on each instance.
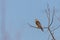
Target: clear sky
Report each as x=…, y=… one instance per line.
x=21, y=12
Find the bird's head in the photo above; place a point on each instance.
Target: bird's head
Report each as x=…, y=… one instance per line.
x=36, y=20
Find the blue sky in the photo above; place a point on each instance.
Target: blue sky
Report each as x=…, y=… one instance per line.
x=21, y=12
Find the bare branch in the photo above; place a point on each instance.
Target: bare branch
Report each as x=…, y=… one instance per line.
x=57, y=18
x=56, y=28
x=48, y=13
x=52, y=16
x=36, y=27
x=51, y=34
x=49, y=24
x=45, y=27
x=33, y=26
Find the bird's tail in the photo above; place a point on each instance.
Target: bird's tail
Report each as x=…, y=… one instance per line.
x=42, y=29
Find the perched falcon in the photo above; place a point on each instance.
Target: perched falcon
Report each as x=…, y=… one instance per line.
x=38, y=24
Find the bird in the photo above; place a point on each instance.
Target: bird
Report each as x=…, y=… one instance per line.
x=38, y=24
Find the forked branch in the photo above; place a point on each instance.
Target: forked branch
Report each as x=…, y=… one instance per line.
x=48, y=16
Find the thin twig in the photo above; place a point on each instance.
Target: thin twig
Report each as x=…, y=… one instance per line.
x=56, y=28
x=51, y=33
x=57, y=18
x=52, y=16
x=48, y=13
x=33, y=26
x=36, y=27
x=49, y=24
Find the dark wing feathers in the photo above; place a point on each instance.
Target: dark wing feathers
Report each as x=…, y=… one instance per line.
x=39, y=25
